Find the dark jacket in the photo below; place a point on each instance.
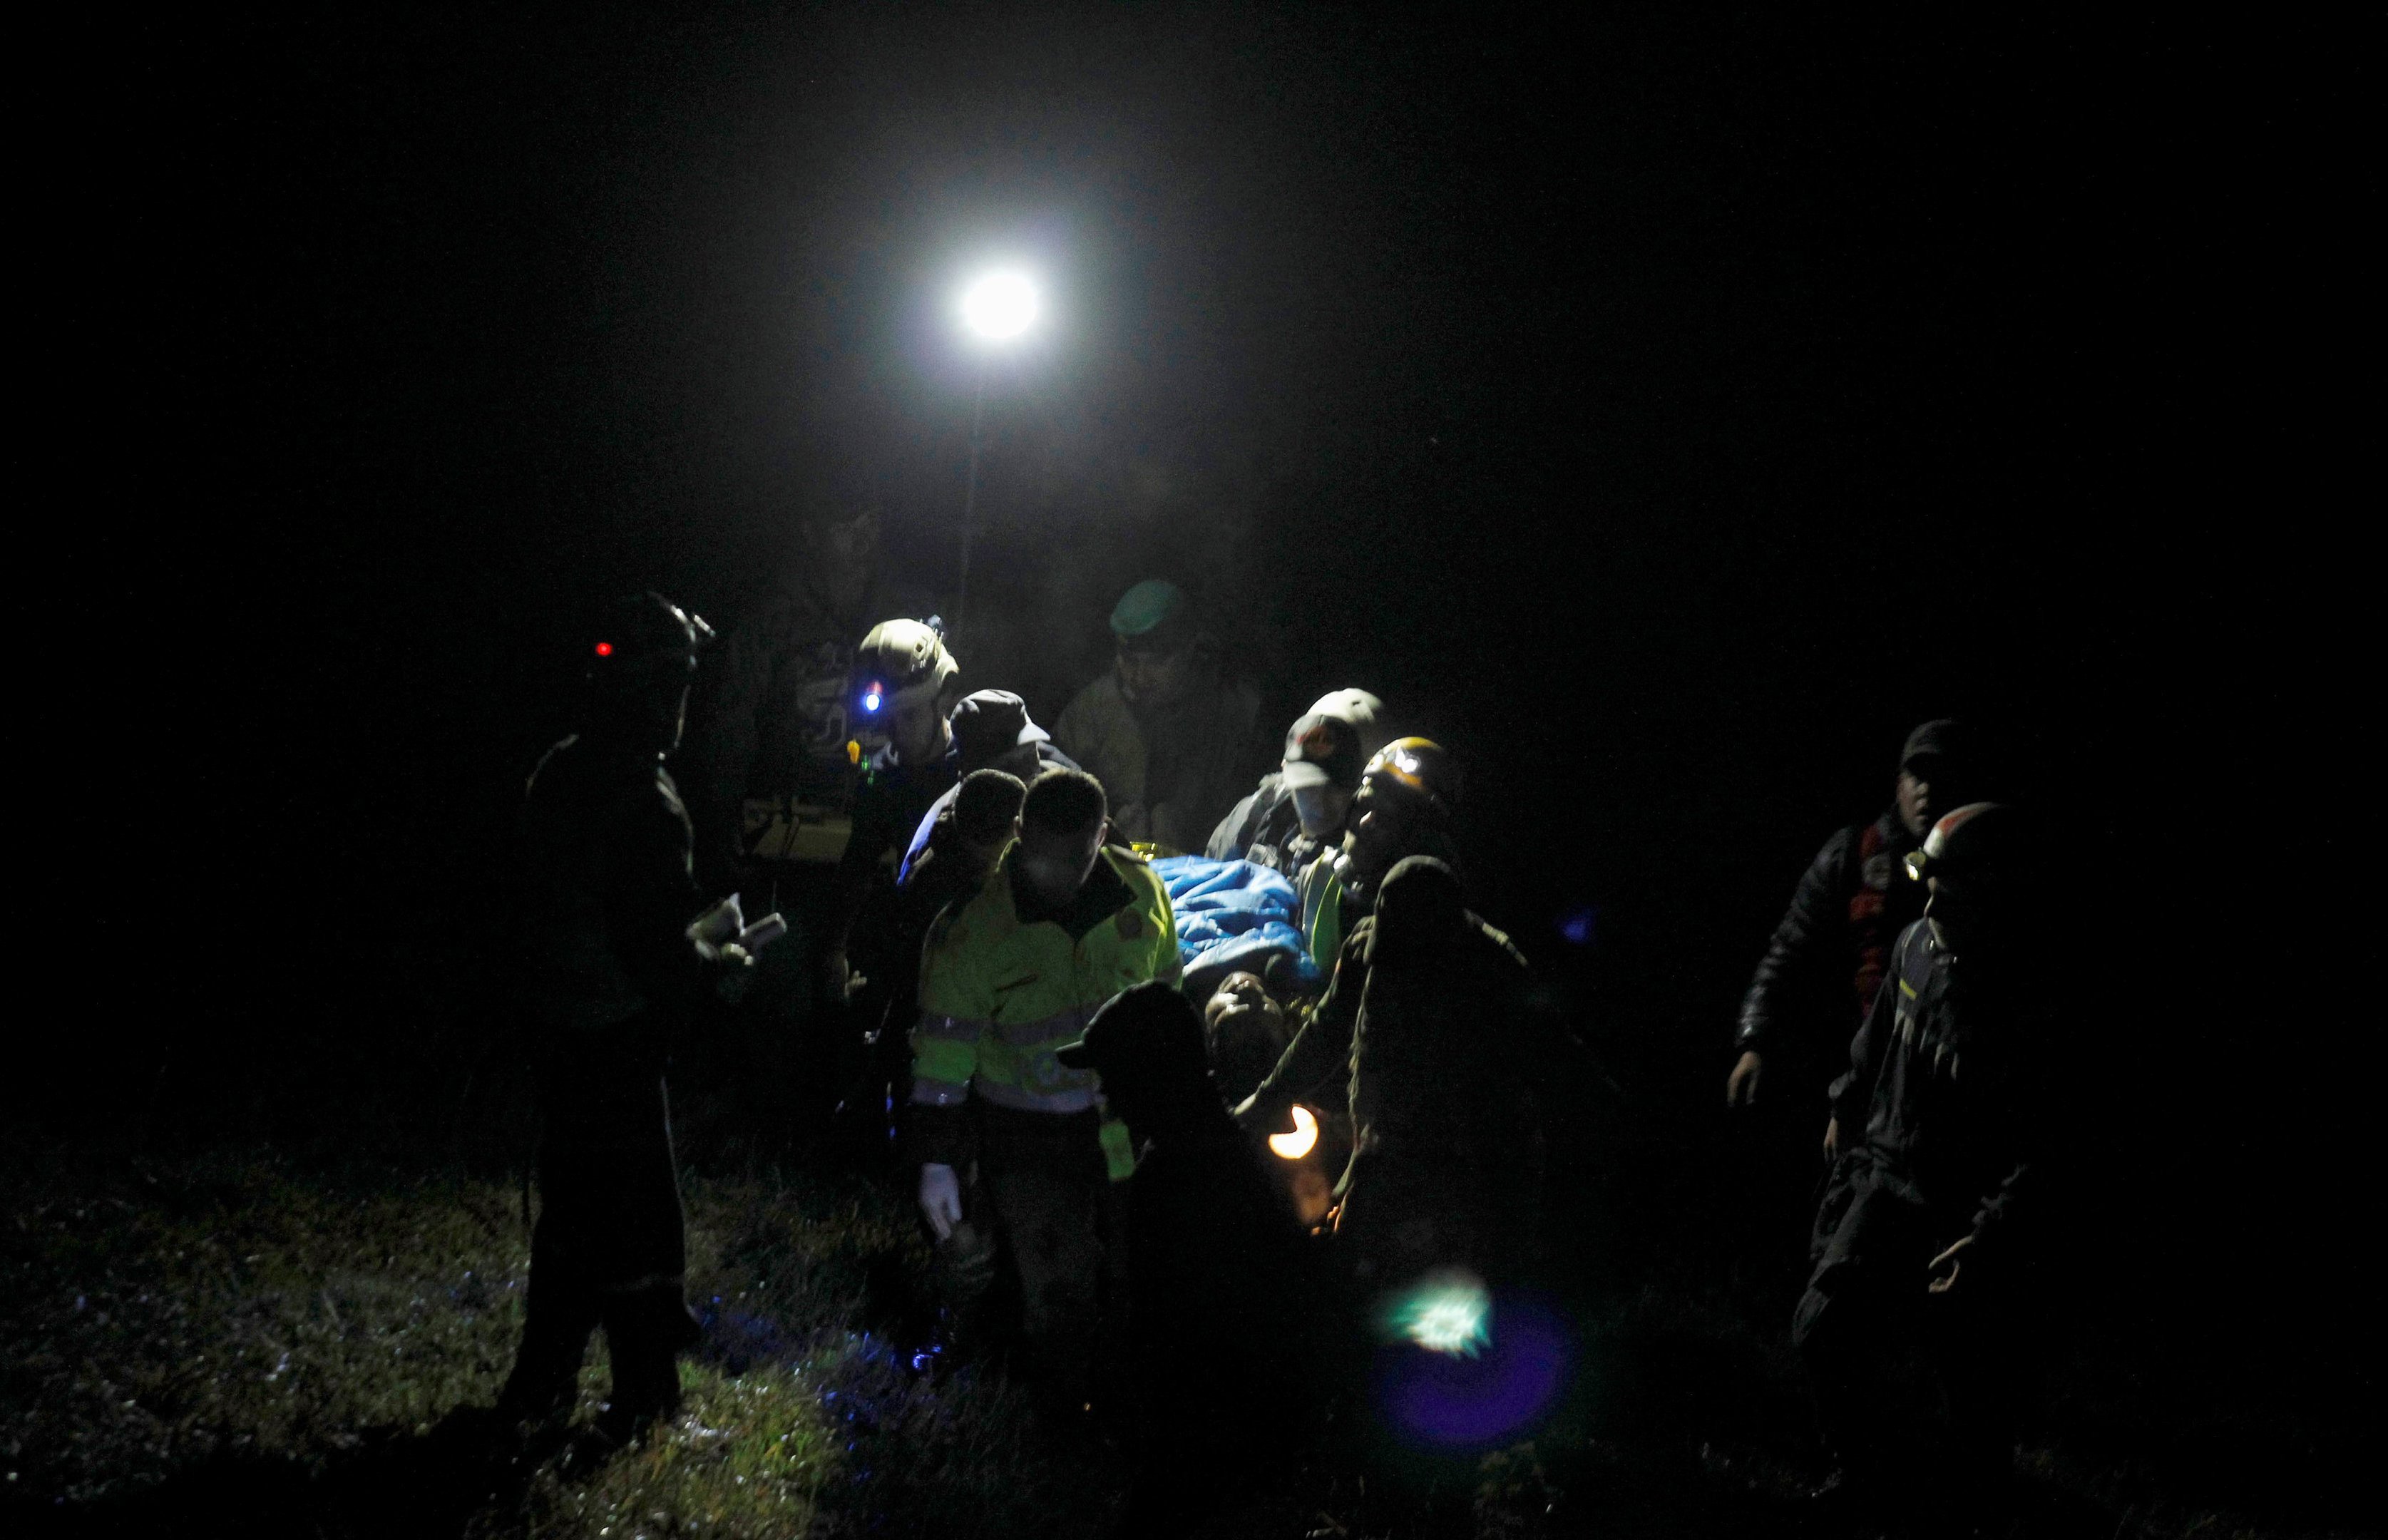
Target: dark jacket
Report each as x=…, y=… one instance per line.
x=1449, y=1061
x=1265, y=829
x=1827, y=959
x=1941, y=1096
x=609, y=889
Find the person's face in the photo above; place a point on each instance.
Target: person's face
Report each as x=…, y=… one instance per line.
x=1322, y=810
x=1240, y=997
x=842, y=553
x=1382, y=831
x=1920, y=796
x=976, y=857
x=1020, y=760
x=1056, y=865
x=1957, y=911
x=917, y=728
x=1153, y=679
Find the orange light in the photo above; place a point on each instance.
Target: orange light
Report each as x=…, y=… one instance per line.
x=1295, y=1145
x=604, y=649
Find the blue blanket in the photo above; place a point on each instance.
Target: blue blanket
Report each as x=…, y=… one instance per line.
x=1233, y=917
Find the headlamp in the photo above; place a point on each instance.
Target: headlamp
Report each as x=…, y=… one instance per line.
x=1919, y=865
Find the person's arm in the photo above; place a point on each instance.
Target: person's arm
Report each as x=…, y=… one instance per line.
x=651, y=895
x=1853, y=1090
x=721, y=749
x=1815, y=924
x=955, y=1012
x=1322, y=1046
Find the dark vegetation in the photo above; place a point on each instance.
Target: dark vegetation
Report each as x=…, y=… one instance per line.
x=222, y=1338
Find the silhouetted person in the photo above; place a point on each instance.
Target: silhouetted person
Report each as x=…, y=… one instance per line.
x=1171, y=739
x=1825, y=960
x=1934, y=1128
x=612, y=972
x=1303, y=809
x=1408, y=792
x=1447, y=1057
x=773, y=783
x=1218, y=1304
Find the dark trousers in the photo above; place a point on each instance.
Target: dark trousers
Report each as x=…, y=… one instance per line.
x=610, y=1246
x=1867, y=1299
x=1045, y=1180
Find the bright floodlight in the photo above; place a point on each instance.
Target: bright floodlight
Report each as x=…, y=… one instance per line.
x=999, y=305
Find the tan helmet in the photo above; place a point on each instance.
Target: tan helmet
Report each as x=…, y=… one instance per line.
x=897, y=658
x=1415, y=766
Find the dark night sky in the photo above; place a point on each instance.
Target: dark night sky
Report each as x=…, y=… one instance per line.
x=1670, y=408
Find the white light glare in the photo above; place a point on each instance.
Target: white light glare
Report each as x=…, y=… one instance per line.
x=999, y=305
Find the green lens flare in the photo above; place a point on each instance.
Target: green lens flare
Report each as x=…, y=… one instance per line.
x=1449, y=1313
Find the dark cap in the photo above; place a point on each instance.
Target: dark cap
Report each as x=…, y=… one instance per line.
x=988, y=723
x=1331, y=744
x=1149, y=1032
x=1942, y=738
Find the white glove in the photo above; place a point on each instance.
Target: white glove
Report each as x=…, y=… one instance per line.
x=941, y=1198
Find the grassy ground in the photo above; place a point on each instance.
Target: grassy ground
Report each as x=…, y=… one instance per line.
x=233, y=1344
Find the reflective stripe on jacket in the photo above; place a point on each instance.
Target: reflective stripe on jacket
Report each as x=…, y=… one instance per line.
x=999, y=996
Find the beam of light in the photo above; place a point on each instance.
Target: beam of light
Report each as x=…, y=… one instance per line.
x=1449, y=1313
x=999, y=306
x=1295, y=1145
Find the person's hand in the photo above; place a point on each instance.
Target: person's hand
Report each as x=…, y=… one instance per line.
x=941, y=1198
x=840, y=983
x=1832, y=1138
x=1741, y=1087
x=730, y=956
x=1954, y=1260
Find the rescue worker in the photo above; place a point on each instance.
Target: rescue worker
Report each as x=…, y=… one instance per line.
x=613, y=972
x=1064, y=923
x=1407, y=795
x=1170, y=737
x=1301, y=808
x=1215, y=1288
x=1932, y=1137
x=903, y=690
x=971, y=836
x=770, y=750
x=1431, y=1015
x=989, y=729
x=1851, y=902
x=776, y=786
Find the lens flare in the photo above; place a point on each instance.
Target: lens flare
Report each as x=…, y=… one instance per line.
x=1295, y=1145
x=1449, y=1313
x=1432, y=1390
x=604, y=649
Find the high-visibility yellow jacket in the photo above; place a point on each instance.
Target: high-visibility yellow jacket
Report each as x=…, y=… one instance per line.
x=997, y=995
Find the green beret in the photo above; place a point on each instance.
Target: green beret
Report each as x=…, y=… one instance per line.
x=1147, y=605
